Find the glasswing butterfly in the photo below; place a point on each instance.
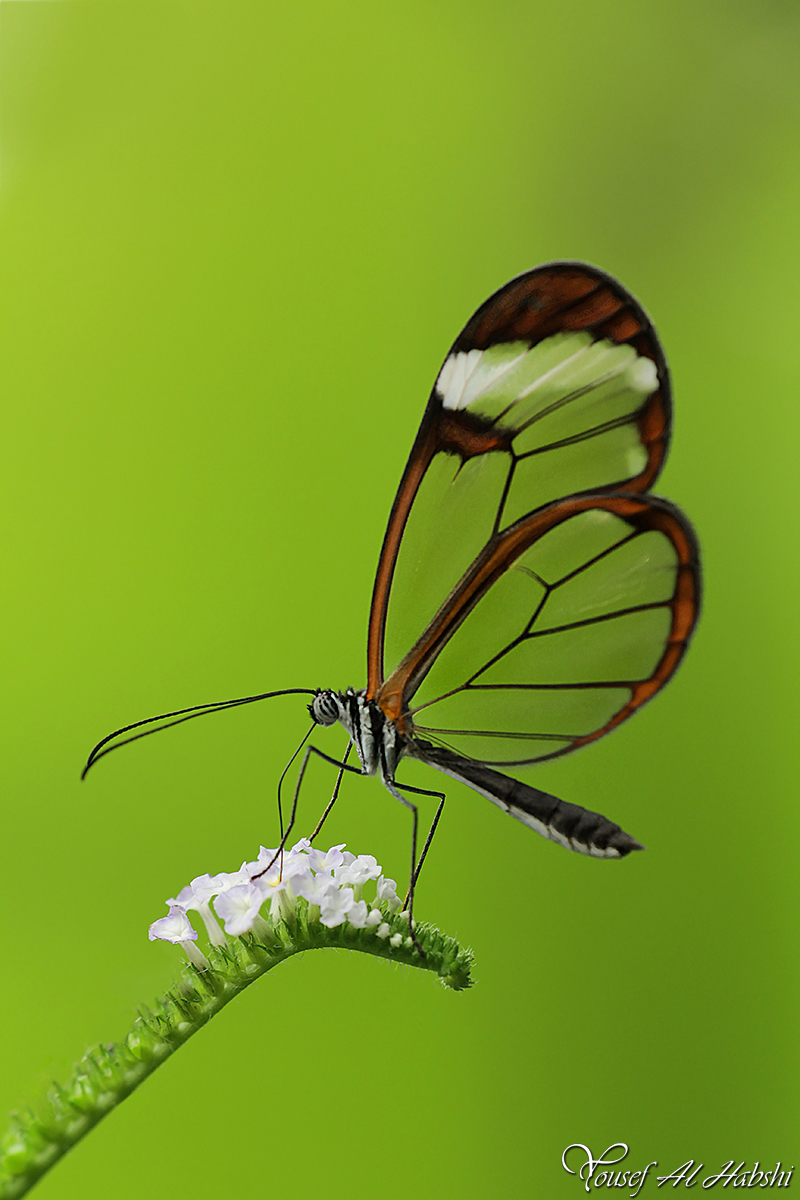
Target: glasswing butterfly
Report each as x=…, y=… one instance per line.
x=531, y=594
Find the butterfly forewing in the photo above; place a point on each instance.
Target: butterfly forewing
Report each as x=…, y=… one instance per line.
x=557, y=385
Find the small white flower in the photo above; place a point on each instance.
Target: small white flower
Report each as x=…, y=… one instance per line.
x=326, y=861
x=270, y=879
x=336, y=906
x=358, y=870
x=396, y=940
x=265, y=857
x=238, y=907
x=198, y=894
x=383, y=930
x=314, y=888
x=375, y=917
x=199, y=891
x=175, y=927
x=274, y=874
x=387, y=893
x=357, y=915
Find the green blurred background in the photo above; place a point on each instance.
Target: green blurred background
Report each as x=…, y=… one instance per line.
x=237, y=240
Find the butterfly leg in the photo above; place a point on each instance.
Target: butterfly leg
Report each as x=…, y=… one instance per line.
x=284, y=772
x=440, y=796
x=391, y=787
x=429, y=839
x=343, y=766
x=416, y=866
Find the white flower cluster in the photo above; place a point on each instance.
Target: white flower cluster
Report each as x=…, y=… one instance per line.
x=332, y=880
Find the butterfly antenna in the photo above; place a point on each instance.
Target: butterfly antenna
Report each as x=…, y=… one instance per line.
x=177, y=718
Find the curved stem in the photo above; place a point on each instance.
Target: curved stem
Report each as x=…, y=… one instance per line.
x=38, y=1138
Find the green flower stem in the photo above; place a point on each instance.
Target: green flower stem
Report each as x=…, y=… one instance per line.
x=107, y=1074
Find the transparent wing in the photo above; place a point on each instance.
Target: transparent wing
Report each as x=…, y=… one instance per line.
x=557, y=385
x=563, y=626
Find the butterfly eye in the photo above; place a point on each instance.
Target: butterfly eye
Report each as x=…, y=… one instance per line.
x=324, y=708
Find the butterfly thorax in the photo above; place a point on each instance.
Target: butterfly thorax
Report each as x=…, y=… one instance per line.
x=378, y=743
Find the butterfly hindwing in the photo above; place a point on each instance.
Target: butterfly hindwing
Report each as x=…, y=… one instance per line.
x=563, y=627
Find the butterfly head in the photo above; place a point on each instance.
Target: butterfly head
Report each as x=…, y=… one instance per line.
x=325, y=708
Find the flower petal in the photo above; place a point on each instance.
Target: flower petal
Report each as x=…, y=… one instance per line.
x=175, y=927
